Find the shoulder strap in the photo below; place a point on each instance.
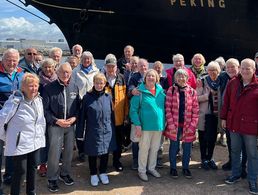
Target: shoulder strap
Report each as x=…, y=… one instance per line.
x=6, y=122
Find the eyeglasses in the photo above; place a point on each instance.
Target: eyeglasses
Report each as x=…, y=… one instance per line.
x=31, y=54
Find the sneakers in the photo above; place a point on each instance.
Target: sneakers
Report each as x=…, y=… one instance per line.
x=94, y=180
x=227, y=166
x=154, y=173
x=143, y=176
x=104, y=178
x=43, y=170
x=205, y=165
x=187, y=173
x=52, y=186
x=253, y=188
x=212, y=165
x=173, y=173
x=232, y=179
x=66, y=179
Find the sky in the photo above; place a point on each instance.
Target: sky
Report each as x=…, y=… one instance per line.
x=17, y=23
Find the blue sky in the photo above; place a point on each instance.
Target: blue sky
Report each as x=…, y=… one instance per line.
x=17, y=23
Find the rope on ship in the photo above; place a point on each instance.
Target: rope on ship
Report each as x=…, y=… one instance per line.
x=72, y=8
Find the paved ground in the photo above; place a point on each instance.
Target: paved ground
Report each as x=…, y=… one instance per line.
x=127, y=182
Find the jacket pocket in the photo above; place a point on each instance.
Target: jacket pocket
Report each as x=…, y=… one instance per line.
x=18, y=139
x=250, y=124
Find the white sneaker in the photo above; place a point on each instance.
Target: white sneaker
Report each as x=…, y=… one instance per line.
x=154, y=173
x=143, y=176
x=94, y=180
x=104, y=178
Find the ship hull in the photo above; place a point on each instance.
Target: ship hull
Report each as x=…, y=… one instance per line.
x=158, y=29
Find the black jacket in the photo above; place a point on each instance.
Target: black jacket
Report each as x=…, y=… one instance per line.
x=56, y=106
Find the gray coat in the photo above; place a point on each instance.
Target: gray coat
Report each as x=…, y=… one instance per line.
x=26, y=125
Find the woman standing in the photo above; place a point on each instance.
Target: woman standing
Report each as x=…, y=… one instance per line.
x=150, y=104
x=99, y=139
x=197, y=67
x=208, y=96
x=182, y=116
x=25, y=132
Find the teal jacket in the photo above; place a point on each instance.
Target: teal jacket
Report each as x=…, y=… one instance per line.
x=147, y=110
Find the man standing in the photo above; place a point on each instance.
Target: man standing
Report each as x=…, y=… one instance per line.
x=28, y=63
x=61, y=104
x=77, y=51
x=56, y=54
x=128, y=53
x=10, y=80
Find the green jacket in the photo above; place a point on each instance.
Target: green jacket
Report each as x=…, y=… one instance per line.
x=148, y=111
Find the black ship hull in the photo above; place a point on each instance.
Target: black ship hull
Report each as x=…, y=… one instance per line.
x=159, y=28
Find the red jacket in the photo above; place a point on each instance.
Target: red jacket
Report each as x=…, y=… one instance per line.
x=190, y=117
x=240, y=107
x=191, y=79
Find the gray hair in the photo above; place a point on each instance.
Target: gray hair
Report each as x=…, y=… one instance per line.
x=221, y=61
x=232, y=61
x=181, y=71
x=54, y=49
x=48, y=61
x=88, y=54
x=60, y=67
x=129, y=47
x=214, y=64
x=10, y=51
x=177, y=57
x=248, y=61
x=77, y=45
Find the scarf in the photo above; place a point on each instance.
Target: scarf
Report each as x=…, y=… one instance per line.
x=214, y=85
x=199, y=72
x=44, y=80
x=87, y=69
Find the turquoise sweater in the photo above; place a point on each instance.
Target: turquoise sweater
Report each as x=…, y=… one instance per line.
x=147, y=110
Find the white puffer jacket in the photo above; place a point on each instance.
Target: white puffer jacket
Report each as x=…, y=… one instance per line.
x=26, y=128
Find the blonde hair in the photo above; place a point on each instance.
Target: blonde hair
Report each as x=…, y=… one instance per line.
x=200, y=56
x=55, y=49
x=28, y=78
x=99, y=76
x=158, y=63
x=150, y=71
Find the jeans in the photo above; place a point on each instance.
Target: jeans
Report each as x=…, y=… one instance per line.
x=44, y=151
x=250, y=142
x=173, y=150
x=135, y=151
x=60, y=137
x=21, y=164
x=102, y=164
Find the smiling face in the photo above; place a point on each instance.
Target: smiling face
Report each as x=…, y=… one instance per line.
x=64, y=73
x=48, y=70
x=31, y=90
x=30, y=55
x=197, y=60
x=86, y=61
x=10, y=61
x=56, y=55
x=111, y=70
x=128, y=52
x=179, y=63
x=232, y=69
x=99, y=84
x=247, y=70
x=181, y=80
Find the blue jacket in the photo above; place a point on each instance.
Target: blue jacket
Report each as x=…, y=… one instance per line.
x=26, y=67
x=9, y=83
x=99, y=135
x=147, y=110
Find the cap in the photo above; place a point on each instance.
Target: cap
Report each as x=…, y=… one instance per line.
x=110, y=59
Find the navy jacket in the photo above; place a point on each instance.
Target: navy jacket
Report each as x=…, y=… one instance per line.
x=60, y=102
x=97, y=112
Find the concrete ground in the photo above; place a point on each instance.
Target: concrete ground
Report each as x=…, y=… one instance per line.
x=127, y=183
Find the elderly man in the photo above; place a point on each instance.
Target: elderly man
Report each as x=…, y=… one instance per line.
x=28, y=63
x=116, y=86
x=122, y=62
x=56, y=54
x=256, y=63
x=77, y=51
x=61, y=104
x=239, y=115
x=10, y=80
x=179, y=62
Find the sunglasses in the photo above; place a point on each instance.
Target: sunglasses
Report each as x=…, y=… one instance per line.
x=31, y=54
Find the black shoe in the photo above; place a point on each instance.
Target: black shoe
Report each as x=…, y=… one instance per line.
x=187, y=173
x=253, y=188
x=159, y=163
x=213, y=165
x=52, y=186
x=67, y=180
x=7, y=179
x=243, y=174
x=232, y=179
x=205, y=165
x=227, y=166
x=173, y=173
x=81, y=157
x=135, y=165
x=118, y=166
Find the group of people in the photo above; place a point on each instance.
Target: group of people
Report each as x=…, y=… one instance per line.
x=47, y=105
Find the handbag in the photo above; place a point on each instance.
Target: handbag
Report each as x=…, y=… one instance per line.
x=211, y=123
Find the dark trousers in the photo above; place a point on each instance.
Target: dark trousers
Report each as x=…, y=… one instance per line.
x=22, y=163
x=207, y=144
x=119, y=140
x=243, y=156
x=102, y=165
x=80, y=146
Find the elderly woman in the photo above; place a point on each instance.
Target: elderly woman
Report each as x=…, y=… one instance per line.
x=99, y=134
x=158, y=66
x=209, y=103
x=73, y=61
x=182, y=116
x=150, y=104
x=23, y=129
x=83, y=75
x=239, y=114
x=46, y=76
x=197, y=67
